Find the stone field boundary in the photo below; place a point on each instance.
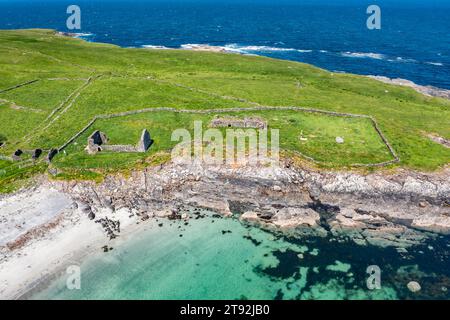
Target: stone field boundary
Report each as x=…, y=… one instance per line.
x=255, y=107
x=19, y=85
x=395, y=159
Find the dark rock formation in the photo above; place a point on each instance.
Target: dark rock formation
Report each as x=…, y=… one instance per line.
x=374, y=209
x=111, y=227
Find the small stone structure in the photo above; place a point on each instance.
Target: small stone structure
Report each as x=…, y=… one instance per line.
x=36, y=154
x=16, y=155
x=98, y=142
x=119, y=148
x=52, y=153
x=257, y=107
x=145, y=142
x=229, y=122
x=95, y=141
x=19, y=153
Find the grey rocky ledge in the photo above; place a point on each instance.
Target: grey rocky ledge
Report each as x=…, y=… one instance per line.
x=401, y=209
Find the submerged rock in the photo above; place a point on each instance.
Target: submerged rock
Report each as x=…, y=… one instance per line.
x=91, y=216
x=414, y=286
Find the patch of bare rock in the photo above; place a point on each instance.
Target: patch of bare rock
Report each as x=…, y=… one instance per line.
x=426, y=90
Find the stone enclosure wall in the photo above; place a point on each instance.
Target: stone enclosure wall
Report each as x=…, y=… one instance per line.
x=98, y=140
x=395, y=159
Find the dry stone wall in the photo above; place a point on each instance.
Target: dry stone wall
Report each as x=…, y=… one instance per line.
x=395, y=159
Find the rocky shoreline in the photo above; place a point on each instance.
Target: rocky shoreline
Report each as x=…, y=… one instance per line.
x=57, y=222
x=429, y=91
x=400, y=210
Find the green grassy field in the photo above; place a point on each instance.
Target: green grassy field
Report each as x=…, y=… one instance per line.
x=80, y=80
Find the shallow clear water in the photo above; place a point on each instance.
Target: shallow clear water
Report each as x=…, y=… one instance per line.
x=220, y=258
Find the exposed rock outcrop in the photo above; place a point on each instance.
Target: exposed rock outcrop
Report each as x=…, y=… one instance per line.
x=426, y=90
x=369, y=209
x=440, y=140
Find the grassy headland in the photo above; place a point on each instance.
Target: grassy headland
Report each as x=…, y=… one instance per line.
x=78, y=80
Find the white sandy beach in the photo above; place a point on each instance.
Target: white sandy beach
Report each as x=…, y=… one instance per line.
x=49, y=234
x=45, y=229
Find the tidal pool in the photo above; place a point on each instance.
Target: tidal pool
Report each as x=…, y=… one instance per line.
x=211, y=257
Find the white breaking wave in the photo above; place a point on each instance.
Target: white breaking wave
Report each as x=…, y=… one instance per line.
x=150, y=46
x=83, y=35
x=253, y=49
x=207, y=47
x=377, y=56
x=400, y=59
x=380, y=56
x=241, y=49
x=263, y=49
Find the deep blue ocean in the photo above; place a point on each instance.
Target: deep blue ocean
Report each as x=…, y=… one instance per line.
x=413, y=43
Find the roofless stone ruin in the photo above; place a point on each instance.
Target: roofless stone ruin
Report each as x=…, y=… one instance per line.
x=235, y=122
x=98, y=141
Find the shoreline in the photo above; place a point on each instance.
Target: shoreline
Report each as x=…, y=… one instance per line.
x=30, y=268
x=369, y=209
x=427, y=90
x=55, y=223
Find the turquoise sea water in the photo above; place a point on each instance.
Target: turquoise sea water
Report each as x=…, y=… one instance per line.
x=220, y=258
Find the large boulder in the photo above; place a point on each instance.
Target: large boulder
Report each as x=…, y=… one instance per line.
x=339, y=140
x=413, y=286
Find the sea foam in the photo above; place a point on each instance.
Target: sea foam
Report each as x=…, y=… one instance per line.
x=377, y=56
x=83, y=35
x=150, y=46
